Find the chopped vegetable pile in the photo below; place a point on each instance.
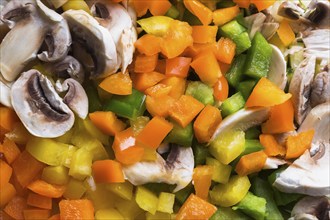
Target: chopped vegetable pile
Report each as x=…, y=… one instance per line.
x=164, y=109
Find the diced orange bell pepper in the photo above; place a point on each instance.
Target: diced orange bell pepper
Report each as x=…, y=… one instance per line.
x=107, y=122
x=55, y=217
x=242, y=3
x=266, y=94
x=8, y=119
x=285, y=33
x=271, y=146
x=185, y=109
x=145, y=64
x=202, y=178
x=32, y=214
x=119, y=84
x=206, y=123
x=80, y=209
x=262, y=4
x=10, y=150
x=141, y=6
x=204, y=34
x=142, y=81
x=224, y=67
x=159, y=7
x=203, y=13
x=195, y=208
x=7, y=193
x=251, y=163
x=221, y=89
x=46, y=189
x=161, y=66
x=296, y=145
x=178, y=66
x=160, y=105
x=5, y=173
x=107, y=171
x=207, y=68
x=39, y=201
x=177, y=84
x=148, y=44
x=224, y=15
x=125, y=148
x=154, y=132
x=15, y=207
x=225, y=50
x=158, y=90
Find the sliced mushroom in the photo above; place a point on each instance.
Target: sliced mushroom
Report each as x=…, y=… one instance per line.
x=39, y=107
x=96, y=39
x=5, y=93
x=75, y=97
x=311, y=208
x=319, y=13
x=242, y=120
x=320, y=89
x=254, y=23
x=176, y=169
x=118, y=21
x=300, y=88
x=277, y=69
x=32, y=24
x=290, y=10
x=4, y=29
x=317, y=43
x=273, y=163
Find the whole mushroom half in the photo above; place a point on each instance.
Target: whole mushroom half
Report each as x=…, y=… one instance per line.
x=32, y=25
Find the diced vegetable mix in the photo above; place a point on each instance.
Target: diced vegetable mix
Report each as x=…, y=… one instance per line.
x=195, y=64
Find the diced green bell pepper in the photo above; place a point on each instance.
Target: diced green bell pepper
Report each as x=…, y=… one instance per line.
x=123, y=190
x=252, y=133
x=166, y=202
x=94, y=102
x=258, y=57
x=173, y=12
x=127, y=106
x=227, y=213
x=235, y=72
x=81, y=164
x=181, y=136
x=108, y=214
x=253, y=206
x=221, y=172
x=246, y=87
x=58, y=175
x=228, y=146
x=201, y=92
x=146, y=199
x=156, y=25
x=200, y=153
x=75, y=189
x=232, y=104
x=242, y=42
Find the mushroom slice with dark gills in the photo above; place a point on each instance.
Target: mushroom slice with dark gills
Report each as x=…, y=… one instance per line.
x=319, y=13
x=96, y=39
x=320, y=88
x=311, y=208
x=176, y=169
x=32, y=24
x=300, y=88
x=40, y=108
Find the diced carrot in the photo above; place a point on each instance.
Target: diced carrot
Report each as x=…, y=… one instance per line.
x=224, y=15
x=39, y=201
x=206, y=123
x=159, y=7
x=5, y=173
x=145, y=64
x=280, y=120
x=177, y=39
x=119, y=84
x=15, y=207
x=203, y=13
x=271, y=146
x=158, y=90
x=154, y=132
x=202, y=178
x=204, y=34
x=266, y=94
x=195, y=208
x=242, y=3
x=207, y=68
x=178, y=66
x=55, y=217
x=125, y=148
x=33, y=214
x=225, y=50
x=177, y=84
x=107, y=171
x=148, y=44
x=141, y=6
x=10, y=150
x=46, y=189
x=285, y=33
x=296, y=145
x=251, y=163
x=161, y=66
x=159, y=106
x=26, y=168
x=142, y=81
x=221, y=89
x=224, y=67
x=7, y=119
x=185, y=109
x=107, y=122
x=262, y=4
x=80, y=209
x=7, y=193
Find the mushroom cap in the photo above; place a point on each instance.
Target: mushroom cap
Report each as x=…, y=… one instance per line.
x=40, y=108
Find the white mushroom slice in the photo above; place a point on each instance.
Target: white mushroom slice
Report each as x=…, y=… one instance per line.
x=277, y=68
x=40, y=108
x=319, y=13
x=242, y=120
x=317, y=43
x=254, y=23
x=177, y=169
x=320, y=89
x=300, y=88
x=311, y=208
x=96, y=39
x=5, y=93
x=273, y=163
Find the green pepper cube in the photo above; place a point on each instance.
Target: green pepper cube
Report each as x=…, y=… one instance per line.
x=81, y=164
x=221, y=172
x=94, y=102
x=58, y=175
x=258, y=57
x=246, y=87
x=108, y=214
x=166, y=202
x=75, y=189
x=232, y=29
x=253, y=206
x=226, y=213
x=181, y=136
x=235, y=72
x=127, y=106
x=232, y=104
x=227, y=146
x=123, y=190
x=201, y=92
x=200, y=153
x=146, y=199
x=253, y=133
x=242, y=42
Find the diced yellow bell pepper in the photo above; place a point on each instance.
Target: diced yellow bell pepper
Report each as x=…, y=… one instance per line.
x=75, y=189
x=221, y=172
x=146, y=199
x=128, y=209
x=81, y=164
x=108, y=214
x=156, y=25
x=159, y=216
x=166, y=202
x=76, y=5
x=123, y=190
x=58, y=175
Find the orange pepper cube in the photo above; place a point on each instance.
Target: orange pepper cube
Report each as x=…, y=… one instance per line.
x=107, y=122
x=204, y=34
x=185, y=109
x=202, y=178
x=251, y=163
x=159, y=106
x=107, y=171
x=154, y=132
x=79, y=209
x=178, y=66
